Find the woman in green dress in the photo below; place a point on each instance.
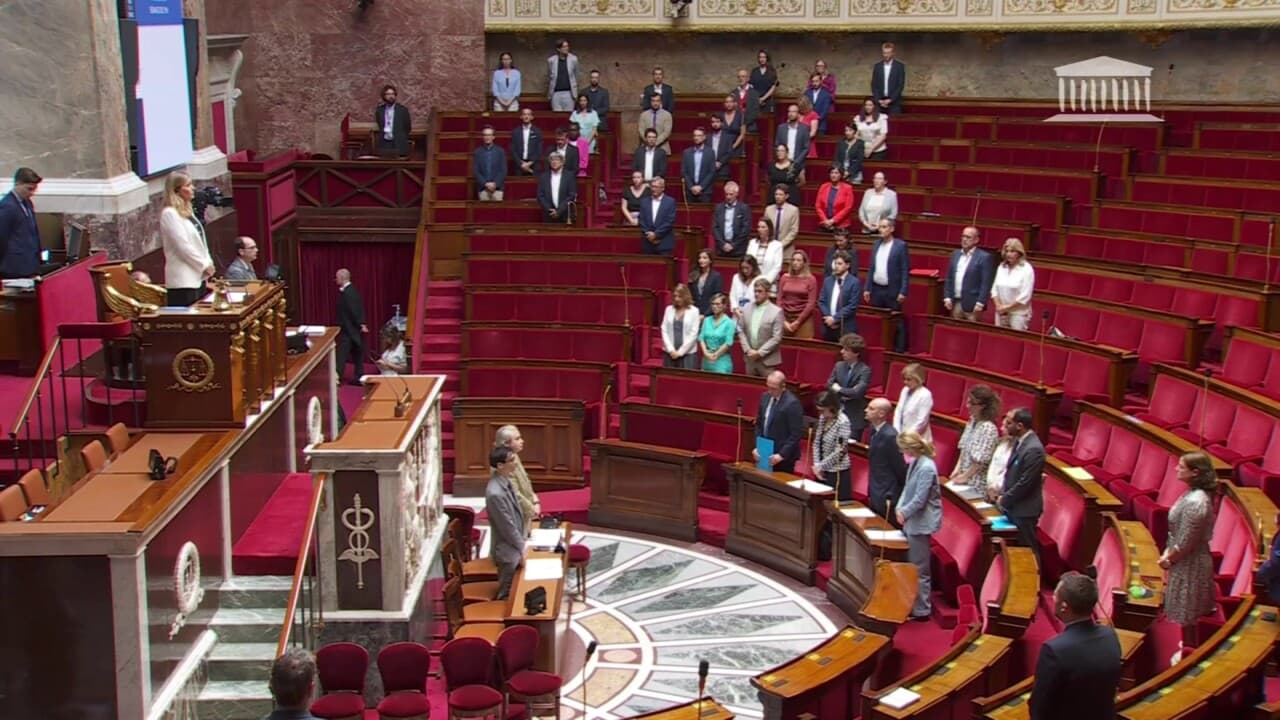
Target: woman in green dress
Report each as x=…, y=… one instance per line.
x=716, y=338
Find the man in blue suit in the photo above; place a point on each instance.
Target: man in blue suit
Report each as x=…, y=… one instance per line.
x=19, y=236
x=795, y=135
x=838, y=302
x=698, y=168
x=821, y=100
x=780, y=418
x=658, y=220
x=969, y=278
x=489, y=165
x=888, y=275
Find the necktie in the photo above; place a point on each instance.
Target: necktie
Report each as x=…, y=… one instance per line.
x=849, y=377
x=777, y=224
x=655, y=120
x=768, y=414
x=1013, y=453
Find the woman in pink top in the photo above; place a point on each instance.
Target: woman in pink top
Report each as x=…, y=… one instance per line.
x=798, y=296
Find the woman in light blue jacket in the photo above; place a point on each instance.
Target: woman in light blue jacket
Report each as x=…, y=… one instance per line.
x=506, y=85
x=920, y=513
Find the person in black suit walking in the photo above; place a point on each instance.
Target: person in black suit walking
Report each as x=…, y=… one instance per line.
x=351, y=327
x=781, y=419
x=886, y=469
x=1078, y=672
x=393, y=123
x=1022, y=499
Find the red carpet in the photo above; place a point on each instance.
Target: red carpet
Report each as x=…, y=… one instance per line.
x=270, y=545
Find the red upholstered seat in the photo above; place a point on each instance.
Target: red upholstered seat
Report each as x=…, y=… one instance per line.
x=1108, y=559
x=533, y=683
x=966, y=597
x=1060, y=524
x=1173, y=402
x=858, y=477
x=955, y=547
x=338, y=705
x=1091, y=443
x=403, y=667
x=1154, y=511
x=404, y=704
x=1118, y=458
x=1264, y=473
x=341, y=670
x=579, y=553
x=959, y=345
x=474, y=697
x=1151, y=468
x=468, y=667
x=517, y=651
x=1247, y=363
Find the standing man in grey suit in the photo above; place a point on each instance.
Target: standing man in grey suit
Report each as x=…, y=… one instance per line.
x=506, y=519
x=969, y=278
x=562, y=77
x=760, y=332
x=886, y=470
x=1022, y=499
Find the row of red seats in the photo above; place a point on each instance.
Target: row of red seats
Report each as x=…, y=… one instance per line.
x=1223, y=165
x=1255, y=137
x=1251, y=196
x=1177, y=219
x=950, y=384
x=579, y=270
x=1080, y=186
x=1203, y=256
x=1251, y=360
x=546, y=341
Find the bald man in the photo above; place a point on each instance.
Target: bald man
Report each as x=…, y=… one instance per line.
x=886, y=470
x=351, y=327
x=781, y=419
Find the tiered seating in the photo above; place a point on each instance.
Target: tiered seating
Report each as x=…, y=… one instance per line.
x=723, y=436
x=1078, y=185
x=541, y=379
x=1246, y=520
x=694, y=389
x=1258, y=137
x=975, y=666
x=1127, y=557
x=810, y=362
x=579, y=270
x=947, y=230
x=1174, y=219
x=546, y=341
x=539, y=239
x=1247, y=195
x=962, y=547
x=825, y=681
x=1241, y=165
x=1204, y=256
x=1071, y=526
x=1251, y=361
x=549, y=304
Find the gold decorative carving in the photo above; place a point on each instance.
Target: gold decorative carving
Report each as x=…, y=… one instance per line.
x=1141, y=7
x=357, y=519
x=1154, y=38
x=753, y=6
x=1069, y=7
x=528, y=8
x=123, y=305
x=860, y=8
x=193, y=371
x=1193, y=5
x=741, y=8
x=498, y=8
x=602, y=6
x=612, y=8
x=826, y=8
x=977, y=7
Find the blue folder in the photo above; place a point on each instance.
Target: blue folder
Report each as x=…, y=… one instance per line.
x=764, y=446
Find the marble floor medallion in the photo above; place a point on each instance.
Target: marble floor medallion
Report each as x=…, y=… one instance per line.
x=655, y=611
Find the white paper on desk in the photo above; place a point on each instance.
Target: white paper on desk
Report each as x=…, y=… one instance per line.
x=311, y=330
x=968, y=492
x=983, y=505
x=858, y=512
x=543, y=569
x=809, y=486
x=900, y=698
x=548, y=538
x=885, y=535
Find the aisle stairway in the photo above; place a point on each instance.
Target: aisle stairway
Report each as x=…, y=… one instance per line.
x=439, y=352
x=246, y=613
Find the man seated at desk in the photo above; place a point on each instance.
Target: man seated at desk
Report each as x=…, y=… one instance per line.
x=19, y=235
x=241, y=269
x=506, y=520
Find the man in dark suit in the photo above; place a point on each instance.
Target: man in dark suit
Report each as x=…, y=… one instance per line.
x=1268, y=575
x=1078, y=672
x=489, y=165
x=598, y=99
x=850, y=379
x=351, y=327
x=392, y=120
x=292, y=684
x=722, y=146
x=969, y=276
x=888, y=80
x=795, y=135
x=658, y=220
x=781, y=419
x=566, y=150
x=1022, y=498
x=658, y=87
x=731, y=224
x=506, y=519
x=838, y=301
x=888, y=276
x=886, y=470
x=19, y=235
x=526, y=144
x=650, y=159
x=697, y=169
x=840, y=241
x=821, y=100
x=748, y=100
x=557, y=187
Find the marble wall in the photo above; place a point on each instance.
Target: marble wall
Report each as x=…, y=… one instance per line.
x=308, y=63
x=1211, y=65
x=62, y=99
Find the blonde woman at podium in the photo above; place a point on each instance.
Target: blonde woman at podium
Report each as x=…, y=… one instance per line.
x=508, y=436
x=187, y=264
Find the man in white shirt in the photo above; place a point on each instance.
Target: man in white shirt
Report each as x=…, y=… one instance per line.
x=393, y=123
x=649, y=159
x=556, y=189
x=526, y=144
x=888, y=277
x=968, y=281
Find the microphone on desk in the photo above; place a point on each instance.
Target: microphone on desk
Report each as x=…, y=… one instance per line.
x=1204, y=402
x=591, y=650
x=1044, y=331
x=404, y=400
x=703, y=668
x=737, y=455
x=977, y=204
x=1097, y=148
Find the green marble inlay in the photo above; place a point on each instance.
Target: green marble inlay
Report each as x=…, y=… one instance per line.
x=721, y=625
x=645, y=577
x=743, y=656
x=691, y=599
x=602, y=558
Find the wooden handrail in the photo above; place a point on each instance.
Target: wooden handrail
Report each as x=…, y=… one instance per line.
x=300, y=567
x=25, y=406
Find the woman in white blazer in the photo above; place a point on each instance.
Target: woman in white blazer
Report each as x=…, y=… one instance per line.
x=767, y=251
x=915, y=404
x=187, y=263
x=680, y=327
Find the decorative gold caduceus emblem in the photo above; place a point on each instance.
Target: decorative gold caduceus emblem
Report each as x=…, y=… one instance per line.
x=357, y=519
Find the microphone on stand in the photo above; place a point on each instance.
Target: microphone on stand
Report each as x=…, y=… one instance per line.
x=703, y=668
x=1097, y=148
x=1271, y=238
x=737, y=456
x=1044, y=332
x=977, y=204
x=591, y=650
x=1204, y=402
x=1168, y=89
x=626, y=296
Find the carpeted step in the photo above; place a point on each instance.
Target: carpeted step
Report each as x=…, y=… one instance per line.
x=713, y=501
x=448, y=360
x=270, y=545
x=441, y=324
x=713, y=526
x=442, y=304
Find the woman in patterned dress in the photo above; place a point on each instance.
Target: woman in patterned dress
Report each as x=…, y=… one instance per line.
x=830, y=453
x=978, y=441
x=1189, y=591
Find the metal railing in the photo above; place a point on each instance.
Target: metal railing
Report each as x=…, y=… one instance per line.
x=304, y=615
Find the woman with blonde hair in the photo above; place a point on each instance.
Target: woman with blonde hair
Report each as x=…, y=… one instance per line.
x=915, y=403
x=919, y=512
x=798, y=296
x=680, y=327
x=1189, y=592
x=1012, y=288
x=187, y=264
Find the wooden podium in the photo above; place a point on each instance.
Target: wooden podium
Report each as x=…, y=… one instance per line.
x=870, y=577
x=213, y=368
x=646, y=488
x=552, y=431
x=773, y=522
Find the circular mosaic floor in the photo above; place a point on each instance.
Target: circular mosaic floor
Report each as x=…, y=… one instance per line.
x=656, y=611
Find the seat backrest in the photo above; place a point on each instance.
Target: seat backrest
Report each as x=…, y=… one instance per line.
x=341, y=667
x=12, y=503
x=961, y=536
x=1109, y=561
x=1151, y=469
x=32, y=484
x=1063, y=516
x=465, y=661
x=1246, y=362
x=94, y=456
x=992, y=587
x=404, y=665
x=118, y=436
x=517, y=650
x=1093, y=436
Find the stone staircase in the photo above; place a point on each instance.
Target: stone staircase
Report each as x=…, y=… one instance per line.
x=246, y=613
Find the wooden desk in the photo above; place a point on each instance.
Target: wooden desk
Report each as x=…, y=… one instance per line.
x=545, y=621
x=20, y=340
x=774, y=523
x=974, y=666
x=552, y=431
x=826, y=681
x=1012, y=612
x=137, y=458
x=1142, y=558
x=646, y=488
x=705, y=709
x=892, y=597
x=855, y=556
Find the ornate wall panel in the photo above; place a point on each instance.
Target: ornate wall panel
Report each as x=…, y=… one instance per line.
x=876, y=15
